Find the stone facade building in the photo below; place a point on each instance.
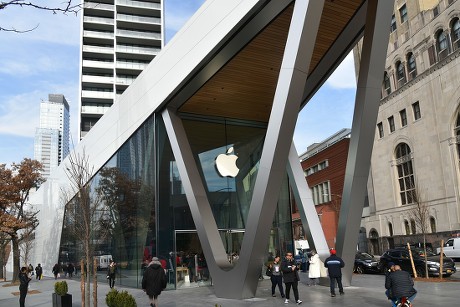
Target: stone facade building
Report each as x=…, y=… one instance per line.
x=416, y=150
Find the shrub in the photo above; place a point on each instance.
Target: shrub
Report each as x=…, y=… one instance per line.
x=111, y=298
x=61, y=288
x=120, y=299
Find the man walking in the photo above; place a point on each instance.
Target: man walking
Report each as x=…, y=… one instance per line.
x=401, y=285
x=291, y=277
x=334, y=264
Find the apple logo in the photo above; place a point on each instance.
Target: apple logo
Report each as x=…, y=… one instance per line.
x=226, y=164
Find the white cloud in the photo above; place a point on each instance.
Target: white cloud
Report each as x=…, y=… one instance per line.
x=344, y=75
x=19, y=114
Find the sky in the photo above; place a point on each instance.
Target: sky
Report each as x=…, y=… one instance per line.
x=46, y=61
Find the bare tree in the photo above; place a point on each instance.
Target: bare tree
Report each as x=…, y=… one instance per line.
x=84, y=213
x=26, y=245
x=421, y=215
x=66, y=7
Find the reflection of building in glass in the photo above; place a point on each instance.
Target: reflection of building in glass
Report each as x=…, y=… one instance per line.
x=52, y=137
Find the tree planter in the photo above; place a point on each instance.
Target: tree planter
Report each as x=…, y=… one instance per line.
x=62, y=300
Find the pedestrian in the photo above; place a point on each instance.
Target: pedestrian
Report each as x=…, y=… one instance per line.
x=401, y=285
x=30, y=269
x=111, y=273
x=391, y=269
x=70, y=269
x=38, y=272
x=23, y=286
x=274, y=271
x=314, y=271
x=291, y=277
x=154, y=281
x=56, y=269
x=334, y=264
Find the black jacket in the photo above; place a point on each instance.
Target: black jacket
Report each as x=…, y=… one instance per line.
x=400, y=283
x=334, y=265
x=288, y=274
x=24, y=281
x=154, y=279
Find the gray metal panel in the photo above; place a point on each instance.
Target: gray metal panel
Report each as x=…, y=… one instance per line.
x=363, y=129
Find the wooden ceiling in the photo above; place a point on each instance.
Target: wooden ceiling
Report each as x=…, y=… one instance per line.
x=244, y=88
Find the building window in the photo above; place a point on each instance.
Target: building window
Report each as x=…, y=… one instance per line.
x=441, y=44
x=386, y=84
x=457, y=134
x=403, y=13
x=400, y=74
x=391, y=123
x=380, y=128
x=416, y=110
x=436, y=11
x=406, y=227
x=393, y=23
x=411, y=66
x=390, y=229
x=413, y=227
x=315, y=168
x=433, y=224
x=455, y=33
x=405, y=173
x=321, y=193
x=403, y=116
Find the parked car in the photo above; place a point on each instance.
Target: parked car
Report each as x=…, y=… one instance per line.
x=366, y=263
x=451, y=248
x=400, y=256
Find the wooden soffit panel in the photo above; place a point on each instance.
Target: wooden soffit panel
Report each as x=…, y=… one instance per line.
x=244, y=88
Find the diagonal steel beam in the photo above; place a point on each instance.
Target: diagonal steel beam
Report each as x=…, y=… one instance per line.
x=304, y=200
x=370, y=77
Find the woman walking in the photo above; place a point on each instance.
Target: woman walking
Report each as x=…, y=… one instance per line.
x=23, y=286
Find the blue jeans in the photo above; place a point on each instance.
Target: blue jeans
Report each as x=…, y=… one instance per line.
x=339, y=284
x=411, y=299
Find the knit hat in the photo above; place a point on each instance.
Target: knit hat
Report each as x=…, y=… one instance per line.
x=333, y=251
x=390, y=264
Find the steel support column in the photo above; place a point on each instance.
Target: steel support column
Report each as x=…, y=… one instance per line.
x=368, y=93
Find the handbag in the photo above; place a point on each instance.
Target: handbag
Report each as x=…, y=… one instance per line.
x=268, y=272
x=322, y=270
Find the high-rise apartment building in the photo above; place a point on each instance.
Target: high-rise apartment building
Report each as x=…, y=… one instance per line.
x=416, y=152
x=119, y=38
x=52, y=136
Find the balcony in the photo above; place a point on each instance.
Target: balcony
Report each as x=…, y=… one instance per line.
x=138, y=34
x=99, y=20
x=139, y=4
x=97, y=79
x=131, y=66
x=125, y=81
x=94, y=109
x=97, y=64
x=96, y=49
x=139, y=19
x=137, y=50
x=98, y=6
x=97, y=34
x=97, y=95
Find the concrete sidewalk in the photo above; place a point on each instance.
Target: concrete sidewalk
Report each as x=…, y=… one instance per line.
x=366, y=290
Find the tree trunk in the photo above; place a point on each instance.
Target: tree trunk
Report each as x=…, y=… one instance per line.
x=82, y=282
x=16, y=258
x=94, y=283
x=88, y=274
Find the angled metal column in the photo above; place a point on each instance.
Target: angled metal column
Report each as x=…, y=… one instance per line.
x=242, y=280
x=371, y=70
x=304, y=200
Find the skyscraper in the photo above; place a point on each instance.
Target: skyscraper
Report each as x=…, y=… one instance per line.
x=119, y=38
x=52, y=137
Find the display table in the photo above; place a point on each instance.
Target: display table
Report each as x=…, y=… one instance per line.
x=181, y=272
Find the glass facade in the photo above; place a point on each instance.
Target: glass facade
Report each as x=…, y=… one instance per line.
x=144, y=209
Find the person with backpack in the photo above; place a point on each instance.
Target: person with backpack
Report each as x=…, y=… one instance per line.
x=111, y=273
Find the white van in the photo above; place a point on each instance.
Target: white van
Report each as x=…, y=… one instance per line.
x=451, y=248
x=103, y=261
